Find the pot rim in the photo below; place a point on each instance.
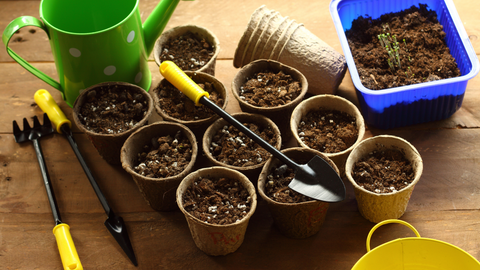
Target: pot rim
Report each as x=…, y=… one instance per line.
x=259, y=66
x=274, y=161
x=414, y=158
x=256, y=118
x=127, y=166
x=223, y=171
x=328, y=97
x=182, y=29
x=222, y=91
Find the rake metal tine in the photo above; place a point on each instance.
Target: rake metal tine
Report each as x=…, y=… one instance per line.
x=16, y=128
x=26, y=125
x=18, y=135
x=46, y=121
x=36, y=123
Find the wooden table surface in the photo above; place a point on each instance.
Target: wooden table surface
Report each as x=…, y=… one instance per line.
x=444, y=205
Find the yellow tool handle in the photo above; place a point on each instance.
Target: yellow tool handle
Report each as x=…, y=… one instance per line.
x=46, y=102
x=182, y=82
x=66, y=247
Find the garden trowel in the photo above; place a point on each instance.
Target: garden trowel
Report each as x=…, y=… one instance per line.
x=115, y=224
x=316, y=179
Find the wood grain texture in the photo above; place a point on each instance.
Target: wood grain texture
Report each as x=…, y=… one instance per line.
x=443, y=205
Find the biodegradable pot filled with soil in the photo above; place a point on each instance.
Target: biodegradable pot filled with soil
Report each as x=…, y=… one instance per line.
x=224, y=145
x=109, y=112
x=191, y=47
x=295, y=215
x=383, y=171
x=158, y=156
x=218, y=203
x=330, y=124
x=272, y=89
x=174, y=106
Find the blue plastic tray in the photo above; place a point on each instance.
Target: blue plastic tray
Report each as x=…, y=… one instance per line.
x=410, y=104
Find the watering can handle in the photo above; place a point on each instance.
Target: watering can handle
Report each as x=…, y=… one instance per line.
x=10, y=30
x=387, y=222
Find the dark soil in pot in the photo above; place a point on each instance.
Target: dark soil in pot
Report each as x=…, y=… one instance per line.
x=295, y=215
x=270, y=89
x=383, y=171
x=166, y=156
x=218, y=200
x=108, y=113
x=276, y=186
x=158, y=157
x=416, y=41
x=328, y=131
x=232, y=147
x=188, y=51
x=177, y=105
x=112, y=109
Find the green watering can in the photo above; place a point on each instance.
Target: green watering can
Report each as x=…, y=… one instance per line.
x=95, y=41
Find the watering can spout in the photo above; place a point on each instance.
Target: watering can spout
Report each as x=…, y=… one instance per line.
x=156, y=22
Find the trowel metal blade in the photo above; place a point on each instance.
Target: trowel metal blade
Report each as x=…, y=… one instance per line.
x=117, y=228
x=319, y=181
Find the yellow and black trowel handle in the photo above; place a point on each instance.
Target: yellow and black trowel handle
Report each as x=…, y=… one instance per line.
x=186, y=85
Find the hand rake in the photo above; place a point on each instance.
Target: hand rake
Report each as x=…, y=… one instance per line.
x=66, y=247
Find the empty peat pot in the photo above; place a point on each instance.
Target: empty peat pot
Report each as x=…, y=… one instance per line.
x=269, y=35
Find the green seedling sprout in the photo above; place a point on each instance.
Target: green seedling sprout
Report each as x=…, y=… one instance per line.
x=392, y=47
x=381, y=41
x=391, y=65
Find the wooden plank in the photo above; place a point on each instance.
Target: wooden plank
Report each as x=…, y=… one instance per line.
x=451, y=161
x=163, y=241
x=443, y=206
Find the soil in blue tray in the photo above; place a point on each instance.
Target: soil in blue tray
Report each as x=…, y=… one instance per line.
x=403, y=48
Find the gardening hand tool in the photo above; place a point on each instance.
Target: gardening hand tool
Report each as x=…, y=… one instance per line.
x=316, y=179
x=114, y=223
x=65, y=244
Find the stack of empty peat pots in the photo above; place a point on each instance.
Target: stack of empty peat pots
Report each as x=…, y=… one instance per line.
x=271, y=36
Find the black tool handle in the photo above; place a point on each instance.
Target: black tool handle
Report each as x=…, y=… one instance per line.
x=46, y=181
x=68, y=133
x=274, y=151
